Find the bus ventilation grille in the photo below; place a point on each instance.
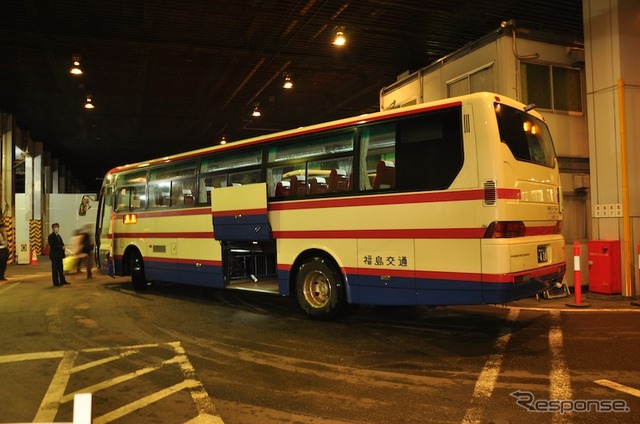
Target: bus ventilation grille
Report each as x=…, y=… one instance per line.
x=490, y=193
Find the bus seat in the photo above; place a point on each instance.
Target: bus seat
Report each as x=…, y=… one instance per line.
x=317, y=185
x=338, y=180
x=282, y=188
x=298, y=186
x=385, y=175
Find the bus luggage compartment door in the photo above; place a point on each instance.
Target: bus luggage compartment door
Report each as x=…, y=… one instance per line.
x=240, y=213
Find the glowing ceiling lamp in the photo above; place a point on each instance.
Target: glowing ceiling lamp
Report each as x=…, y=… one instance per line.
x=340, y=39
x=75, y=69
x=89, y=104
x=288, y=84
x=256, y=111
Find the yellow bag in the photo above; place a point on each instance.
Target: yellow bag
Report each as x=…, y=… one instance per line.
x=69, y=263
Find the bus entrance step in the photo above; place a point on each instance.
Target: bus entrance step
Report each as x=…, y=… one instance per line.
x=266, y=286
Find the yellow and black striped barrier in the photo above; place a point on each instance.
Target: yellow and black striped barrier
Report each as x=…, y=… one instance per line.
x=11, y=239
x=35, y=236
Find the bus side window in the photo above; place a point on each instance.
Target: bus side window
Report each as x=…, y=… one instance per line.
x=338, y=181
x=159, y=195
x=318, y=185
x=377, y=157
x=385, y=175
x=299, y=186
x=182, y=192
x=208, y=183
x=282, y=188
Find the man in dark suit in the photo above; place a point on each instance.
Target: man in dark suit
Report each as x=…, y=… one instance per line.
x=56, y=254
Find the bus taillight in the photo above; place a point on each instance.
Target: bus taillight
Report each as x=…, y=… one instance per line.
x=505, y=229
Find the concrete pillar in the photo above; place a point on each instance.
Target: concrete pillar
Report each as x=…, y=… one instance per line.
x=28, y=176
x=612, y=34
x=6, y=157
x=55, y=176
x=38, y=195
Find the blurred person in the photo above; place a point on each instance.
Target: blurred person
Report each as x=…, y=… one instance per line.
x=76, y=247
x=87, y=250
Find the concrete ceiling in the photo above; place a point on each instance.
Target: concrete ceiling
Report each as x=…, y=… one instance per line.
x=168, y=76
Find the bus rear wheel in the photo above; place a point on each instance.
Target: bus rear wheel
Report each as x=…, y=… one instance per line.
x=320, y=289
x=138, y=277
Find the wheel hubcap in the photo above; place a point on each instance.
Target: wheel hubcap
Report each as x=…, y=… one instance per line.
x=317, y=289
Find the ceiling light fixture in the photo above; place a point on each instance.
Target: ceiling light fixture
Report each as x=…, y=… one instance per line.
x=89, y=104
x=223, y=140
x=340, y=39
x=288, y=84
x=256, y=111
x=75, y=69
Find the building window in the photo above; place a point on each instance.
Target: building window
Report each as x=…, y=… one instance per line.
x=552, y=87
x=474, y=82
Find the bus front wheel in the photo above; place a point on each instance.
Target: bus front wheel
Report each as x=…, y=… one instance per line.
x=320, y=289
x=138, y=278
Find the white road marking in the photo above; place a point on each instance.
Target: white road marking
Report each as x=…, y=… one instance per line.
x=5, y=286
x=559, y=378
x=51, y=401
x=55, y=395
x=536, y=309
x=489, y=374
x=620, y=387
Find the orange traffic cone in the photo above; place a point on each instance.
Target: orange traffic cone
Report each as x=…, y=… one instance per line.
x=34, y=257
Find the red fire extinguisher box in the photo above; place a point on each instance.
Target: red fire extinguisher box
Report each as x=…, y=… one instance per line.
x=604, y=267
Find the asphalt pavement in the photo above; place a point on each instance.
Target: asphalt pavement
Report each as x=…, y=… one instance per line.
x=564, y=301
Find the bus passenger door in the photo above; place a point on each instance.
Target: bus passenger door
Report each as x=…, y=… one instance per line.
x=241, y=225
x=104, y=233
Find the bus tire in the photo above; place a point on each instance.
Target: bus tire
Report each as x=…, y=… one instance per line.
x=320, y=289
x=138, y=278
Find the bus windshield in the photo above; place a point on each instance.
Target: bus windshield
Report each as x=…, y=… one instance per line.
x=528, y=137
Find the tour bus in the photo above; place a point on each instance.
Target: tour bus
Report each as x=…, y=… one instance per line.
x=454, y=202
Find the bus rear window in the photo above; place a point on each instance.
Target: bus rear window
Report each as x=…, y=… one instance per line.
x=528, y=137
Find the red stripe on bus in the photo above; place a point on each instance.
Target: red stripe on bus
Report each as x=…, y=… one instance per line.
x=409, y=233
x=156, y=235
x=508, y=278
x=392, y=199
x=173, y=212
x=444, y=275
x=241, y=212
x=365, y=200
x=412, y=233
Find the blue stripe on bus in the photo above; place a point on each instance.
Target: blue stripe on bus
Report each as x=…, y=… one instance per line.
x=369, y=290
x=508, y=292
x=241, y=228
x=173, y=272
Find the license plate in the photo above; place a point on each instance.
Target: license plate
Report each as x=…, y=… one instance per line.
x=542, y=254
